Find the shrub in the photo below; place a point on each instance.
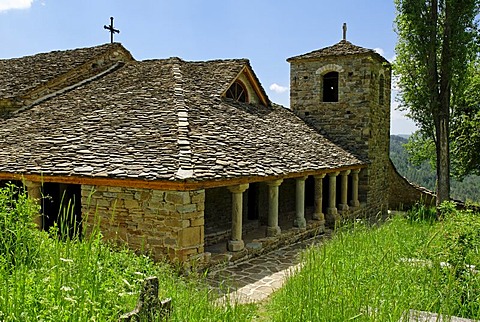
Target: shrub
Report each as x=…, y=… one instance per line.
x=17, y=234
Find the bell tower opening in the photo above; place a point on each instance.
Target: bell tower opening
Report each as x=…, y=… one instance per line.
x=330, y=87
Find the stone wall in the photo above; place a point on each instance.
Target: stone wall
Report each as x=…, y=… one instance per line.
x=286, y=197
x=357, y=122
x=169, y=224
x=404, y=194
x=218, y=209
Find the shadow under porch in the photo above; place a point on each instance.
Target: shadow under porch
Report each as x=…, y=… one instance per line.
x=255, y=237
x=246, y=220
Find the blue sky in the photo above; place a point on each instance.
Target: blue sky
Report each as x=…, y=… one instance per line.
x=265, y=31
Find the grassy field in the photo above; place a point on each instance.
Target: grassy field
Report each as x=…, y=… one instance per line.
x=379, y=273
x=365, y=273
x=44, y=278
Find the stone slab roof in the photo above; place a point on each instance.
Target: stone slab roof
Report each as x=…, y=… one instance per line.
x=163, y=120
x=342, y=48
x=19, y=75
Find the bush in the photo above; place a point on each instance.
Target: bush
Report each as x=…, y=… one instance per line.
x=17, y=234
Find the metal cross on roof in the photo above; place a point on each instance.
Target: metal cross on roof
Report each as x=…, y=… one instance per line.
x=111, y=29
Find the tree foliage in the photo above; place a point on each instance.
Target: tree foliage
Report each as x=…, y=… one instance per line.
x=435, y=50
x=466, y=125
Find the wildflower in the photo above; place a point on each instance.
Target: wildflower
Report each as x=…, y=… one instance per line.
x=66, y=288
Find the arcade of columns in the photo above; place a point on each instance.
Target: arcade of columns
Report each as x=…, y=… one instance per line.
x=273, y=229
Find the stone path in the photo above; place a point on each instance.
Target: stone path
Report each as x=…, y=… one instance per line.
x=254, y=280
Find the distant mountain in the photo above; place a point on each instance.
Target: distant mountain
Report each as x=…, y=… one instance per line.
x=423, y=175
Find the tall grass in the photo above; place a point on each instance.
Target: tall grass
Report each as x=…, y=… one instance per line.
x=46, y=278
x=380, y=273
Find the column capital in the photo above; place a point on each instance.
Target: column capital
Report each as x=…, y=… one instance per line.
x=275, y=183
x=303, y=178
x=333, y=174
x=240, y=188
x=345, y=172
x=356, y=171
x=32, y=184
x=319, y=176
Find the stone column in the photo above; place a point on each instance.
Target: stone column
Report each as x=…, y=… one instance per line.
x=332, y=213
x=343, y=206
x=34, y=191
x=273, y=229
x=318, y=213
x=354, y=202
x=236, y=243
x=300, y=221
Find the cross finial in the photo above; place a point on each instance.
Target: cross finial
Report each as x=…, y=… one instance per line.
x=344, y=31
x=111, y=29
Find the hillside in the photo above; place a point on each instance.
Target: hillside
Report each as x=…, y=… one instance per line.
x=467, y=189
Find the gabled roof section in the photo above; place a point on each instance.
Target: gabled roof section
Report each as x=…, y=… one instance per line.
x=163, y=121
x=342, y=48
x=216, y=76
x=26, y=79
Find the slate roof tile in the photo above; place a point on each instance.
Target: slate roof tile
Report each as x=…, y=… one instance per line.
x=342, y=48
x=163, y=120
x=18, y=75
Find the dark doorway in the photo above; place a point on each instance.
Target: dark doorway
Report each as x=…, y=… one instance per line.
x=253, y=198
x=61, y=206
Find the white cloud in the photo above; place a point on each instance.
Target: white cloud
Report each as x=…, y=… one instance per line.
x=379, y=51
x=6, y=5
x=278, y=89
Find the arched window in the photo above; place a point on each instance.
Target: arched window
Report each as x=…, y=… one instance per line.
x=237, y=92
x=381, y=90
x=330, y=87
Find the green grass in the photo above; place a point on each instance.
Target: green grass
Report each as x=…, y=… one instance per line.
x=46, y=278
x=363, y=274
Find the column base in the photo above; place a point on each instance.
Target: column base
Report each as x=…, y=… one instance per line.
x=319, y=216
x=355, y=203
x=235, y=245
x=273, y=231
x=300, y=223
x=342, y=207
x=332, y=216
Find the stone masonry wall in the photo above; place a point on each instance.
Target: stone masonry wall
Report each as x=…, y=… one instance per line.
x=403, y=194
x=357, y=122
x=218, y=209
x=166, y=223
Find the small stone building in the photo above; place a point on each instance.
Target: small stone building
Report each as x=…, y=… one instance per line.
x=173, y=157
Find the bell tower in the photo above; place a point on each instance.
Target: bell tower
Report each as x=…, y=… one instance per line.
x=344, y=92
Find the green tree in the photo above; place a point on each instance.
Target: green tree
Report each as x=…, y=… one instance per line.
x=466, y=125
x=434, y=51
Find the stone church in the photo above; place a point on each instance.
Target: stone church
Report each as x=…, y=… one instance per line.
x=191, y=160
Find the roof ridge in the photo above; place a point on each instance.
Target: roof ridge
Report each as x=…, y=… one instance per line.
x=69, y=88
x=185, y=169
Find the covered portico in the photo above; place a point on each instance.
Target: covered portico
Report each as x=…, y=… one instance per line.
x=317, y=199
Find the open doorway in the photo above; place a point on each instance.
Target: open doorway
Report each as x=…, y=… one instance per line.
x=61, y=206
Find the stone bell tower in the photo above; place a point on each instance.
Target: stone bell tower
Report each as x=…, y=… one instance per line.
x=344, y=92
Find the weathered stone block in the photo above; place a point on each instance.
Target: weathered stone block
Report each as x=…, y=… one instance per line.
x=182, y=209
x=177, y=197
x=131, y=204
x=191, y=236
x=198, y=197
x=197, y=222
x=115, y=189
